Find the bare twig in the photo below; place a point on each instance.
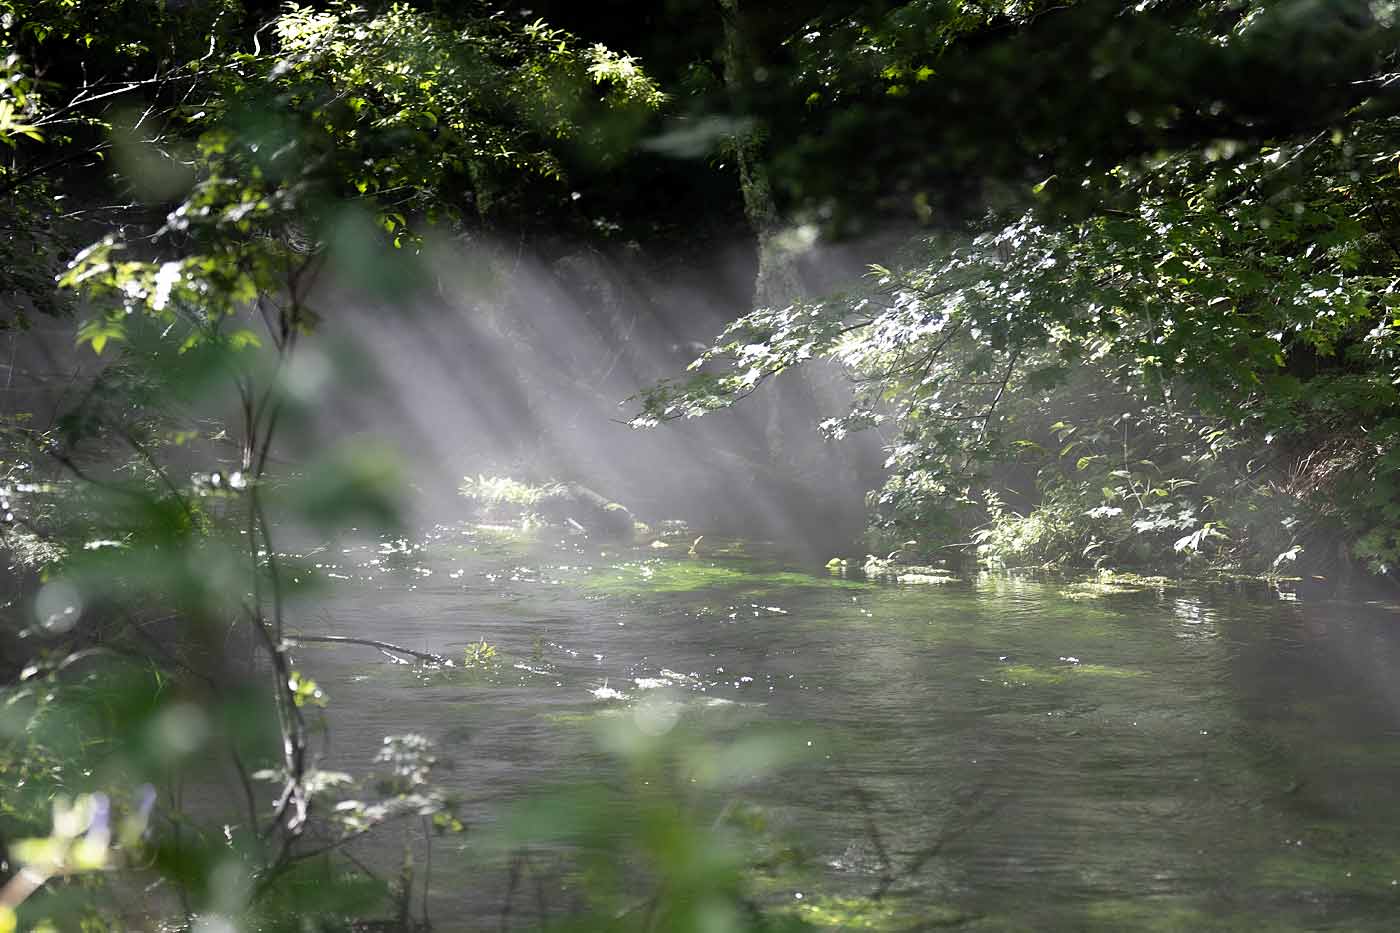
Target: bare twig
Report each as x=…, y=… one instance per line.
x=996, y=399
x=370, y=643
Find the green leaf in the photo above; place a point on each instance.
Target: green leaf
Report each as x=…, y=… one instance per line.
x=97, y=332
x=243, y=338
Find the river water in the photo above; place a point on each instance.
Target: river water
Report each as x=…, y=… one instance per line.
x=994, y=753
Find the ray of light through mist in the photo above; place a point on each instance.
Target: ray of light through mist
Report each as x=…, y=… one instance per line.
x=512, y=364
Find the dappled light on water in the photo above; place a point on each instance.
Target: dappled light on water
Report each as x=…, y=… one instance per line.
x=999, y=752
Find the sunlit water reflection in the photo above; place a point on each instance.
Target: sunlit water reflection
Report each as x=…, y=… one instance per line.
x=997, y=754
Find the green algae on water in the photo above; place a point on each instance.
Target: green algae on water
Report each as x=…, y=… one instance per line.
x=1025, y=674
x=663, y=575
x=868, y=913
x=1161, y=915
x=1313, y=871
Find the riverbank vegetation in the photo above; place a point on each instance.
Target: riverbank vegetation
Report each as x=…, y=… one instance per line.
x=1181, y=355
x=1131, y=303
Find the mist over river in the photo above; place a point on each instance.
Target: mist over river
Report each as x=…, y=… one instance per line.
x=994, y=753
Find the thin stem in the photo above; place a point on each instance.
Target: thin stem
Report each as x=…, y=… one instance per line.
x=427, y=867
x=162, y=475
x=996, y=399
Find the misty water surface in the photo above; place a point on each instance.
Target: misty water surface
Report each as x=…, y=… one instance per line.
x=999, y=753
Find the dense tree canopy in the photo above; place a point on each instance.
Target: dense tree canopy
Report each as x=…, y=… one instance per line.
x=1220, y=265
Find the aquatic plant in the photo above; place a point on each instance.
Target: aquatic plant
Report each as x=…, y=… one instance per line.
x=503, y=490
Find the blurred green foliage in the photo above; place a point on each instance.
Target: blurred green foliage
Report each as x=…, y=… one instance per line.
x=154, y=659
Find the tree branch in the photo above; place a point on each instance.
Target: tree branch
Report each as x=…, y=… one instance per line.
x=370, y=643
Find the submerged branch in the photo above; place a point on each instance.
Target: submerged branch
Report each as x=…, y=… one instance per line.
x=371, y=643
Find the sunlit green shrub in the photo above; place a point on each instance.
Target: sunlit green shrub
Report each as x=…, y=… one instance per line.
x=502, y=496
